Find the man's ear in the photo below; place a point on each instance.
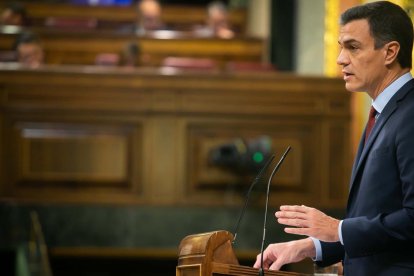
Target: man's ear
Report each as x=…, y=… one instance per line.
x=391, y=50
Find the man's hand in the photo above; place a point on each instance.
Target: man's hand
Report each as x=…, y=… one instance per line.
x=278, y=254
x=309, y=222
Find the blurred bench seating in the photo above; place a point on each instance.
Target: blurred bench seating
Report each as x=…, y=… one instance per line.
x=107, y=59
x=115, y=16
x=8, y=56
x=65, y=46
x=71, y=22
x=190, y=63
x=241, y=66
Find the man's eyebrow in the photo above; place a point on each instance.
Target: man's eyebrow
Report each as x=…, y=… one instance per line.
x=348, y=41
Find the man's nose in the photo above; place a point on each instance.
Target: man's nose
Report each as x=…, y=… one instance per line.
x=342, y=58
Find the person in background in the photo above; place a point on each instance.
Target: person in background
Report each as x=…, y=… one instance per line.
x=29, y=50
x=130, y=56
x=376, y=237
x=149, y=16
x=217, y=24
x=14, y=14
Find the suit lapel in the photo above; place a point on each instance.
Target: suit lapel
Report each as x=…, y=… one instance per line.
x=357, y=158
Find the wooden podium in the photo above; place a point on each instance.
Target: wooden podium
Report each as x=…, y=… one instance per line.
x=211, y=254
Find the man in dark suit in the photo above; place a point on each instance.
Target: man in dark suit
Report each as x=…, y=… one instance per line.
x=377, y=235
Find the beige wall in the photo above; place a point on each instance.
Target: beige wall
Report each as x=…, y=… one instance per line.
x=310, y=37
x=309, y=32
x=259, y=18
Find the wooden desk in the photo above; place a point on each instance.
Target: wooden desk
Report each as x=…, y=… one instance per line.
x=88, y=134
x=212, y=254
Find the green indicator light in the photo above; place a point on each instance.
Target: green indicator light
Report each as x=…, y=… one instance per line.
x=258, y=157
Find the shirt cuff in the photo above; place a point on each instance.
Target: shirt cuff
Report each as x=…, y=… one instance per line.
x=340, y=232
x=318, y=249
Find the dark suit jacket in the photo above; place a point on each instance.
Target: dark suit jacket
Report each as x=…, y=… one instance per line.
x=378, y=231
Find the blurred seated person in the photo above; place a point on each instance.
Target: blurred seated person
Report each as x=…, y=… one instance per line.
x=29, y=50
x=149, y=16
x=130, y=55
x=14, y=14
x=217, y=24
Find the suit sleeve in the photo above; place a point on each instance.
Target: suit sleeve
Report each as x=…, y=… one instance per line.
x=332, y=252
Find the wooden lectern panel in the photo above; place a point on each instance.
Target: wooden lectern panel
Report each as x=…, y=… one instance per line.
x=211, y=254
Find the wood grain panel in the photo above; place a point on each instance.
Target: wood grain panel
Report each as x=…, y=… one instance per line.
x=294, y=176
x=72, y=159
x=204, y=139
x=61, y=152
x=87, y=134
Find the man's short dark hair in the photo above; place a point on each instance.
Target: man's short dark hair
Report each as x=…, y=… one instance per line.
x=24, y=38
x=388, y=22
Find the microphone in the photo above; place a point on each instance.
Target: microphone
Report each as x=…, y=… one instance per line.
x=258, y=177
x=261, y=270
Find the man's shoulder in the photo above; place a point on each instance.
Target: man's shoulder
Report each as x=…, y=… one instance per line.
x=406, y=93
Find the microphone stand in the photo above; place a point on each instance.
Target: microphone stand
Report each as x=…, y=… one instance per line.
x=261, y=270
x=255, y=181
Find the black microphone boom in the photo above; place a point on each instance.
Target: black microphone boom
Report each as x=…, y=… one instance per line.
x=258, y=177
x=261, y=270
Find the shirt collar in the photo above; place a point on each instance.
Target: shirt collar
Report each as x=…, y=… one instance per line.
x=384, y=97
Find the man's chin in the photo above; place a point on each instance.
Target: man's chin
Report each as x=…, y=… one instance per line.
x=352, y=88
